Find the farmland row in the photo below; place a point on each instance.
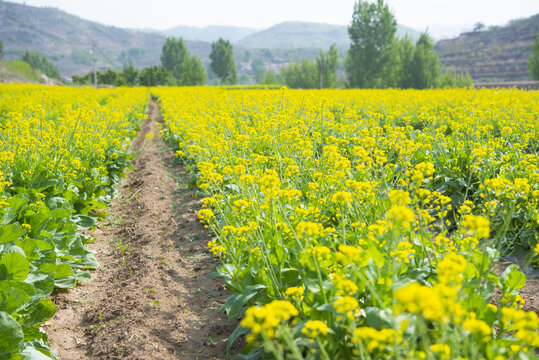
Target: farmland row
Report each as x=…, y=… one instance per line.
x=367, y=224
x=62, y=150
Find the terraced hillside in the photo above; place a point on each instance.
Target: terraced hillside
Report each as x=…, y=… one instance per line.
x=498, y=54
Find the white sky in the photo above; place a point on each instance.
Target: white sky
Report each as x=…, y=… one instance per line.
x=163, y=14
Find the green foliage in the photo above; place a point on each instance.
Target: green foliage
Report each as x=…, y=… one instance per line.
x=406, y=55
x=21, y=68
x=130, y=75
x=425, y=67
x=270, y=78
x=258, y=69
x=372, y=50
x=155, y=75
x=222, y=61
x=327, y=67
x=533, y=60
x=301, y=75
x=194, y=72
x=1, y=49
x=174, y=56
x=306, y=74
x=185, y=69
x=454, y=80
x=40, y=62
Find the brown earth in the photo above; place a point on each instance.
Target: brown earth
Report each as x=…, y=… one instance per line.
x=152, y=297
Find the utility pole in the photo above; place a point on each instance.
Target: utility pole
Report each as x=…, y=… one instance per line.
x=94, y=61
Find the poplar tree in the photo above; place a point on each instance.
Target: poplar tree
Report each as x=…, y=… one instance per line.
x=372, y=52
x=222, y=61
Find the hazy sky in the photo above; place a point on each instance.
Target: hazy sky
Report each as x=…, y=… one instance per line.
x=163, y=14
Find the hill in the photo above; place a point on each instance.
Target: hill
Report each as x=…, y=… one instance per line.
x=67, y=40
x=210, y=33
x=295, y=34
x=498, y=54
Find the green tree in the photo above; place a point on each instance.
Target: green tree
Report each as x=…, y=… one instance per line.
x=301, y=75
x=533, y=60
x=40, y=62
x=373, y=48
x=454, y=80
x=1, y=49
x=425, y=65
x=406, y=55
x=130, y=75
x=327, y=67
x=258, y=69
x=193, y=72
x=174, y=56
x=111, y=77
x=154, y=76
x=270, y=78
x=222, y=61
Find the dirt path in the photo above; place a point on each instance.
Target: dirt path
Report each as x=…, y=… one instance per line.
x=152, y=297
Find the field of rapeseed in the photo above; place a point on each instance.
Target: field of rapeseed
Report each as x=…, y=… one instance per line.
x=365, y=223
x=61, y=152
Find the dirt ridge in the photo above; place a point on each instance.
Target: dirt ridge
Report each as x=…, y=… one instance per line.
x=152, y=297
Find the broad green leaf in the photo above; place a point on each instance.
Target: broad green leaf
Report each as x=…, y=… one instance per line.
x=14, y=266
x=10, y=232
x=513, y=279
x=10, y=334
x=62, y=270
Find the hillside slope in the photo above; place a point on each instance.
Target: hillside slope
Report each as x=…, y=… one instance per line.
x=499, y=54
x=67, y=40
x=296, y=34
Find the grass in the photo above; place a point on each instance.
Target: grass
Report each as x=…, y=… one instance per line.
x=22, y=69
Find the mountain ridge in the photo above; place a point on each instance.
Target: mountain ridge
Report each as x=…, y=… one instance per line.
x=293, y=34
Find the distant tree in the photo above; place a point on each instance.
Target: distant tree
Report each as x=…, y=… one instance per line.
x=222, y=61
x=1, y=50
x=111, y=77
x=40, y=62
x=154, y=76
x=454, y=80
x=270, y=78
x=193, y=72
x=533, y=60
x=130, y=75
x=174, y=55
x=373, y=48
x=425, y=65
x=258, y=69
x=406, y=55
x=302, y=74
x=479, y=26
x=327, y=67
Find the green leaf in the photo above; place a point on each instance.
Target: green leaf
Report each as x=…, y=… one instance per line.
x=513, y=279
x=235, y=303
x=62, y=270
x=239, y=331
x=14, y=296
x=378, y=318
x=11, y=334
x=14, y=266
x=83, y=221
x=10, y=232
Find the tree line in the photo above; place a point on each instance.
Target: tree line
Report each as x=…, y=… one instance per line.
x=376, y=59
x=178, y=68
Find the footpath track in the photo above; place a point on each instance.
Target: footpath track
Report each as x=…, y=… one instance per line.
x=152, y=297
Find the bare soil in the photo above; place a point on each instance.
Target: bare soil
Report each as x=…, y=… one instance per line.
x=152, y=297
